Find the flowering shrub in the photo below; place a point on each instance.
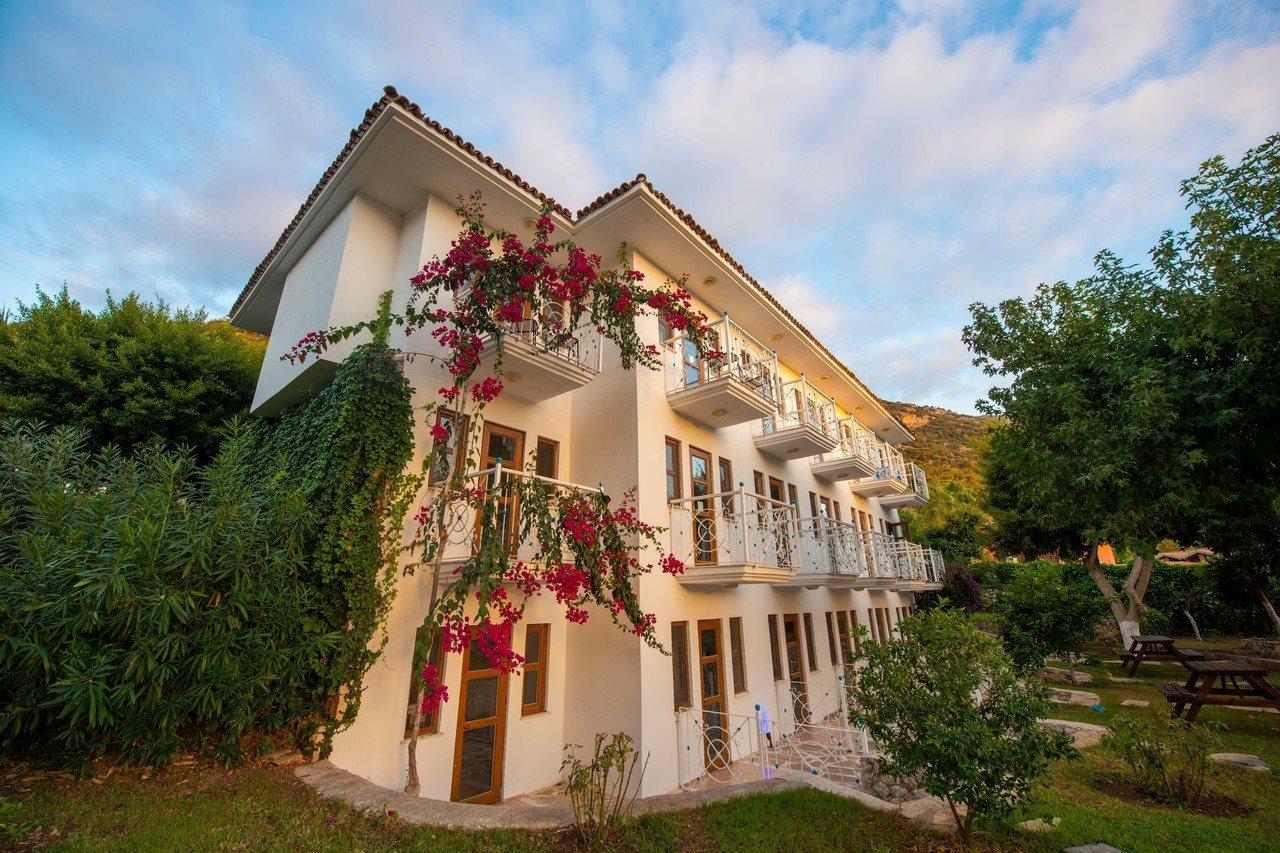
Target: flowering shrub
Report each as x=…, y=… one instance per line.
x=584, y=547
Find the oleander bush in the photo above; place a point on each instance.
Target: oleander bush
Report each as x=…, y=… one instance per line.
x=150, y=603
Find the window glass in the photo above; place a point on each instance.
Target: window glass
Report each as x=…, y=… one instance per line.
x=680, y=662
x=738, y=660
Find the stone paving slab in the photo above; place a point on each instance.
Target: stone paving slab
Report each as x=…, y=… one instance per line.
x=330, y=781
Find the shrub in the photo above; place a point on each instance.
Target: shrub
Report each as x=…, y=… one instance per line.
x=1044, y=616
x=1168, y=757
x=602, y=789
x=131, y=373
x=144, y=596
x=946, y=704
x=146, y=600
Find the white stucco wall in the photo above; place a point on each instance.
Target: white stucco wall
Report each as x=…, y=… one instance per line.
x=611, y=431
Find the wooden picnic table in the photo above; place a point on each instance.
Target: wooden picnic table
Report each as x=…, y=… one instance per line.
x=1155, y=647
x=1200, y=688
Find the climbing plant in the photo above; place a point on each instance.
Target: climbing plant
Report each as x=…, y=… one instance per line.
x=575, y=544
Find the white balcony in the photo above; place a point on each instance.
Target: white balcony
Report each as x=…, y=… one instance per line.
x=733, y=537
x=828, y=553
x=917, y=493
x=889, y=478
x=805, y=424
x=462, y=530
x=740, y=387
x=899, y=564
x=854, y=456
x=542, y=359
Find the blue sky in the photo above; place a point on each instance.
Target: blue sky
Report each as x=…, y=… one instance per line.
x=880, y=165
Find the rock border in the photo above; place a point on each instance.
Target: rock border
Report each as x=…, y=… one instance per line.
x=363, y=795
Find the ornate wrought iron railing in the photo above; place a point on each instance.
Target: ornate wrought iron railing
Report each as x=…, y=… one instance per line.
x=733, y=528
x=801, y=404
x=827, y=546
x=744, y=357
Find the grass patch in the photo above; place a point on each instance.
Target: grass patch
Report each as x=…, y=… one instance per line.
x=198, y=806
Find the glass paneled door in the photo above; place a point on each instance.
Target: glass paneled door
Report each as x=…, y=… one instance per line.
x=795, y=666
x=482, y=724
x=704, y=511
x=505, y=445
x=715, y=723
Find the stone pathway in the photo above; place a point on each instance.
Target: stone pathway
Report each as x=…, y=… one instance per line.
x=330, y=781
x=1074, y=697
x=1241, y=759
x=1134, y=703
x=1083, y=735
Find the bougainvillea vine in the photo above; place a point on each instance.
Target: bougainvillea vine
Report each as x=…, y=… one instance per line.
x=526, y=534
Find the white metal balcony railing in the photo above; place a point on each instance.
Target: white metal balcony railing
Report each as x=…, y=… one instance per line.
x=801, y=405
x=827, y=546
x=892, y=466
x=736, y=527
x=918, y=482
x=855, y=442
x=548, y=333
x=461, y=530
x=745, y=358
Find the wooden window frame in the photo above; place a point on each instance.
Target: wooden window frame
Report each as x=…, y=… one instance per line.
x=539, y=669
x=831, y=639
x=813, y=504
x=737, y=655
x=774, y=652
x=724, y=471
x=674, y=474
x=810, y=647
x=675, y=666
x=793, y=497
x=757, y=483
x=426, y=725
x=855, y=632
x=461, y=430
x=555, y=455
x=782, y=490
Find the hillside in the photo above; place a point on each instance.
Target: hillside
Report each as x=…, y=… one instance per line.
x=947, y=442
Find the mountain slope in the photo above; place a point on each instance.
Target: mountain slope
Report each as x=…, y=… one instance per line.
x=946, y=443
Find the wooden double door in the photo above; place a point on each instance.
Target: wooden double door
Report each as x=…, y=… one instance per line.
x=795, y=666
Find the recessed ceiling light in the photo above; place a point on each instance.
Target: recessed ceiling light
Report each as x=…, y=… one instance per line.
x=530, y=223
x=513, y=376
x=709, y=281
x=792, y=451
x=823, y=378
x=775, y=338
x=718, y=413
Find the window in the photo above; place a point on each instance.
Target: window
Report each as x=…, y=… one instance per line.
x=881, y=630
x=808, y=642
x=842, y=626
x=735, y=652
x=674, y=490
x=757, y=482
x=428, y=724
x=726, y=484
x=824, y=506
x=813, y=505
x=447, y=453
x=831, y=638
x=835, y=505
x=793, y=498
x=533, y=698
x=704, y=519
x=775, y=490
x=680, y=662
x=548, y=458
x=664, y=331
x=855, y=631
x=773, y=647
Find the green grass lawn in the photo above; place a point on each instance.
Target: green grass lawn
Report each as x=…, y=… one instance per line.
x=202, y=807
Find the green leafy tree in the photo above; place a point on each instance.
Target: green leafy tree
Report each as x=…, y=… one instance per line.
x=946, y=704
x=1043, y=615
x=953, y=522
x=129, y=374
x=1230, y=259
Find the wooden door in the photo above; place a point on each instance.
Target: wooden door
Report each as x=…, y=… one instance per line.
x=715, y=722
x=505, y=445
x=704, y=511
x=795, y=665
x=482, y=724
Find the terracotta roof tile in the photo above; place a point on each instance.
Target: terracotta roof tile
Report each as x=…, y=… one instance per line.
x=391, y=96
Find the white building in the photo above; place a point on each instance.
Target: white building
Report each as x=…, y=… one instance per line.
x=795, y=542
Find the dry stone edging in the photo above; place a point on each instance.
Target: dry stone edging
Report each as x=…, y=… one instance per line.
x=363, y=795
x=1083, y=735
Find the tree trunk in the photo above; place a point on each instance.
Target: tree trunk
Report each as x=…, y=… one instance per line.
x=1186, y=611
x=1266, y=604
x=1127, y=613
